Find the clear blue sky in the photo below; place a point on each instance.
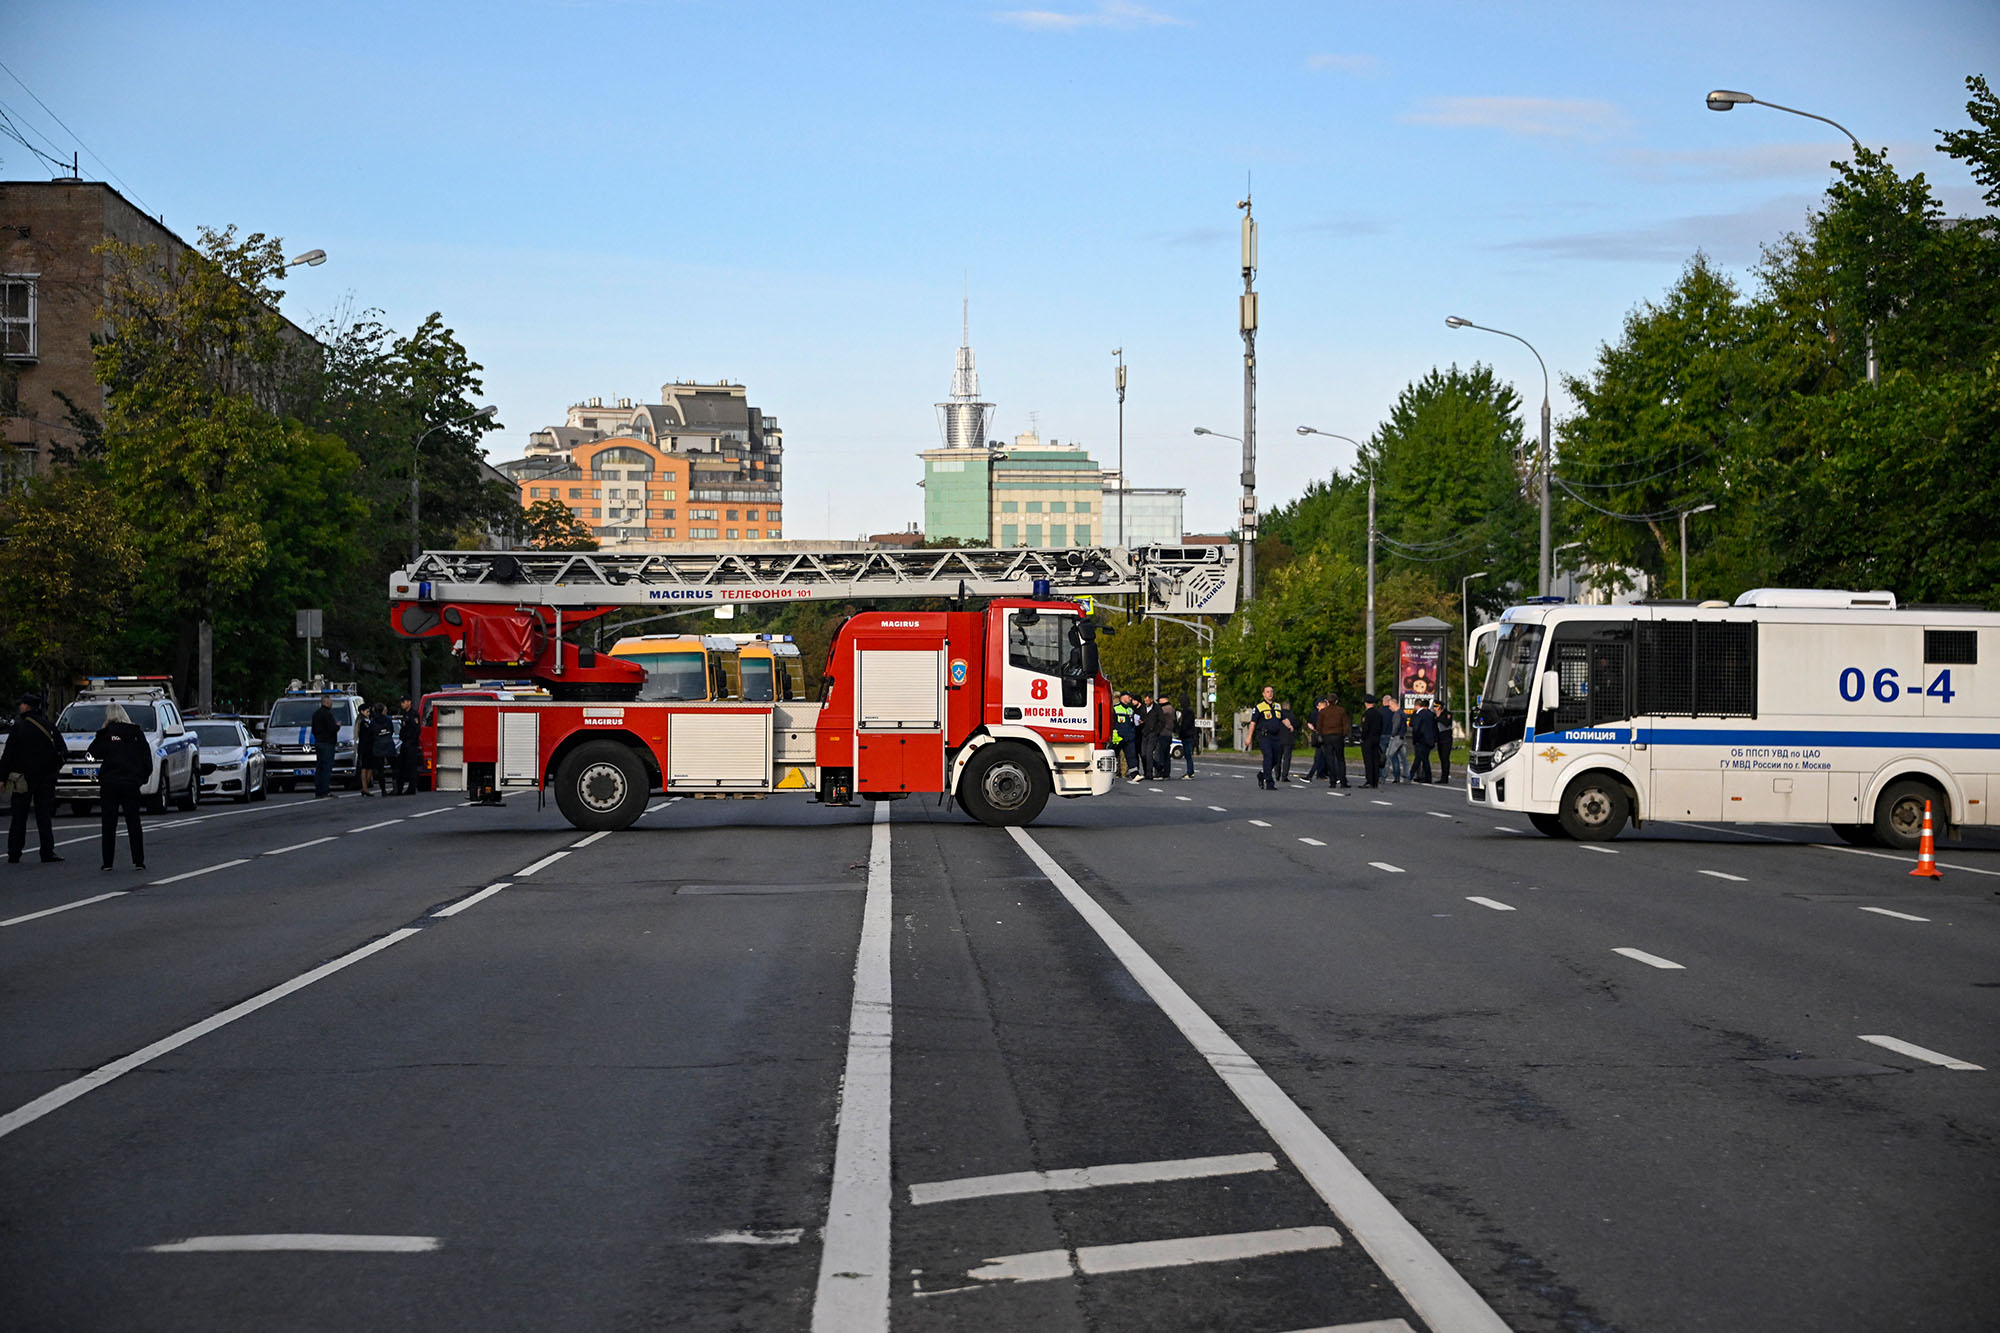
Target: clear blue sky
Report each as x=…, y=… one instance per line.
x=603, y=196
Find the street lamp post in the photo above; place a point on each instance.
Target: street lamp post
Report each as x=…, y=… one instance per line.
x=1459, y=322
x=416, y=538
x=1465, y=657
x=1723, y=99
x=1698, y=509
x=1368, y=668
x=1119, y=352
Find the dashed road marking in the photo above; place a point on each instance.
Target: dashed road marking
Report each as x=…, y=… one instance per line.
x=1384, y=865
x=299, y=846
x=1493, y=903
x=1373, y=801
x=319, y=1241
x=1923, y=1053
x=1879, y=911
x=1091, y=1177
x=1220, y=809
x=366, y=828
x=787, y=1236
x=1723, y=874
x=1183, y=798
x=585, y=841
x=205, y=870
x=542, y=864
x=1260, y=823
x=103, y=1074
x=1650, y=959
x=478, y=897
x=1437, y=814
x=426, y=814
x=1887, y=856
x=1508, y=828
x=51, y=911
x=1593, y=847
x=1045, y=1265
x=1312, y=842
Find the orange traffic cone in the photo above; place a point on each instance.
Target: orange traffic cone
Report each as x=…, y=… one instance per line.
x=1927, y=851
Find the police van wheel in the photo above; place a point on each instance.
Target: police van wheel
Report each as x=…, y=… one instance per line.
x=1899, y=814
x=1549, y=825
x=602, y=785
x=1594, y=808
x=1004, y=785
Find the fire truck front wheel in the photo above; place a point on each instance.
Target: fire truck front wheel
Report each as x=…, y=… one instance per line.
x=602, y=785
x=1004, y=784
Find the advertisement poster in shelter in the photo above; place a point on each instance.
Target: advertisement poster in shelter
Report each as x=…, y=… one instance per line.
x=1419, y=663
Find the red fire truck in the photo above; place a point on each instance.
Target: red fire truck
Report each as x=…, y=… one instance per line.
x=1000, y=708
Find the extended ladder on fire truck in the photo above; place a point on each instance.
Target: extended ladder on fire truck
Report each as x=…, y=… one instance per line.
x=1000, y=708
x=1179, y=579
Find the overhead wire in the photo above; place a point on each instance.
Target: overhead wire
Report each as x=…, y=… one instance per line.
x=1612, y=513
x=79, y=138
x=13, y=131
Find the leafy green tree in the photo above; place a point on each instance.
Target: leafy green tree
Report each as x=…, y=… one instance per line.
x=552, y=525
x=68, y=557
x=1979, y=146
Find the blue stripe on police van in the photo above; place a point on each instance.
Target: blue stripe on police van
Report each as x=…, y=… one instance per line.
x=1916, y=740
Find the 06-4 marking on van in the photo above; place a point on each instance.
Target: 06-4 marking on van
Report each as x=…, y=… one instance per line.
x=1856, y=685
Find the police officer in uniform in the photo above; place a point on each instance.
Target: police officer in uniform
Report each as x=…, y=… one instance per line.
x=1272, y=731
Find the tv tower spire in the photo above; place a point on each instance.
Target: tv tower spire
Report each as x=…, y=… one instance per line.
x=963, y=417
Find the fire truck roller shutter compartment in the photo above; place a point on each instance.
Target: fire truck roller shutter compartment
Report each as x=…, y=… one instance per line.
x=520, y=750
x=719, y=751
x=899, y=736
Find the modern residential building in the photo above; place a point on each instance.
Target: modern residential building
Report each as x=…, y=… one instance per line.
x=52, y=290
x=700, y=466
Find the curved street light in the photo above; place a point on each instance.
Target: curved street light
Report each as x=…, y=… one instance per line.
x=1460, y=322
x=310, y=259
x=1724, y=99
x=1685, y=515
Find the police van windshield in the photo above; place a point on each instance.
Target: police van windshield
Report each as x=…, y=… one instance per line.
x=672, y=675
x=299, y=712
x=1510, y=681
x=81, y=717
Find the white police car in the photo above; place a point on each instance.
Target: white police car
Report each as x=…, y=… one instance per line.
x=148, y=701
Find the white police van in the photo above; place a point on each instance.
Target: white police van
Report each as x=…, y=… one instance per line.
x=149, y=701
x=289, y=758
x=1794, y=705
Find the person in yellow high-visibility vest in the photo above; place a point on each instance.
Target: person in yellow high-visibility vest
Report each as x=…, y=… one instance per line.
x=1271, y=730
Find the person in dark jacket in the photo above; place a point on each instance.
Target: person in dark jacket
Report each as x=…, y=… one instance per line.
x=1150, y=731
x=1289, y=748
x=375, y=747
x=34, y=755
x=1371, y=742
x=1443, y=740
x=409, y=750
x=1165, y=723
x=1271, y=733
x=1424, y=736
x=326, y=735
x=1184, y=722
x=1332, y=726
x=125, y=764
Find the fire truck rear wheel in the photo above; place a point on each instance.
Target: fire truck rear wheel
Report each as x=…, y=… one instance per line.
x=602, y=785
x=1004, y=784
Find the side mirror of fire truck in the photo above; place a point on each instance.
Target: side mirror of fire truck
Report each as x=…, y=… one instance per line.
x=1082, y=664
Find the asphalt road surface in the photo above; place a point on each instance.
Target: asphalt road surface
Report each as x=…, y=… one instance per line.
x=1191, y=1056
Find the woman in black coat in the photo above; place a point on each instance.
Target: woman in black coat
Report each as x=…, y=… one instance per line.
x=125, y=764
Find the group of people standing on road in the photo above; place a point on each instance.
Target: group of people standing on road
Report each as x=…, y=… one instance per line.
x=1393, y=739
x=1143, y=732
x=33, y=759
x=387, y=752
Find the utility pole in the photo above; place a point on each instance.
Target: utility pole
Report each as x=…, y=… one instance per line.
x=1369, y=686
x=1247, y=321
x=1119, y=352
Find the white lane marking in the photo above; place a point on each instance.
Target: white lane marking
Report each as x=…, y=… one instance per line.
x=590, y=838
x=1879, y=911
x=1593, y=847
x=853, y=1291
x=1365, y=1326
x=378, y=824
x=478, y=897
x=542, y=864
x=299, y=846
x=1441, y=1298
x=298, y=1241
x=426, y=814
x=1312, y=842
x=1508, y=828
x=1183, y=798
x=1220, y=809
x=103, y=1074
x=205, y=870
x=1090, y=1177
x=788, y=1236
x=1723, y=874
x=1437, y=814
x=1373, y=801
x=1384, y=865
x=1261, y=823
x=1650, y=959
x=51, y=911
x=1493, y=903
x=1923, y=1053
x=1889, y=856
x=1044, y=1265
x=1155, y=790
